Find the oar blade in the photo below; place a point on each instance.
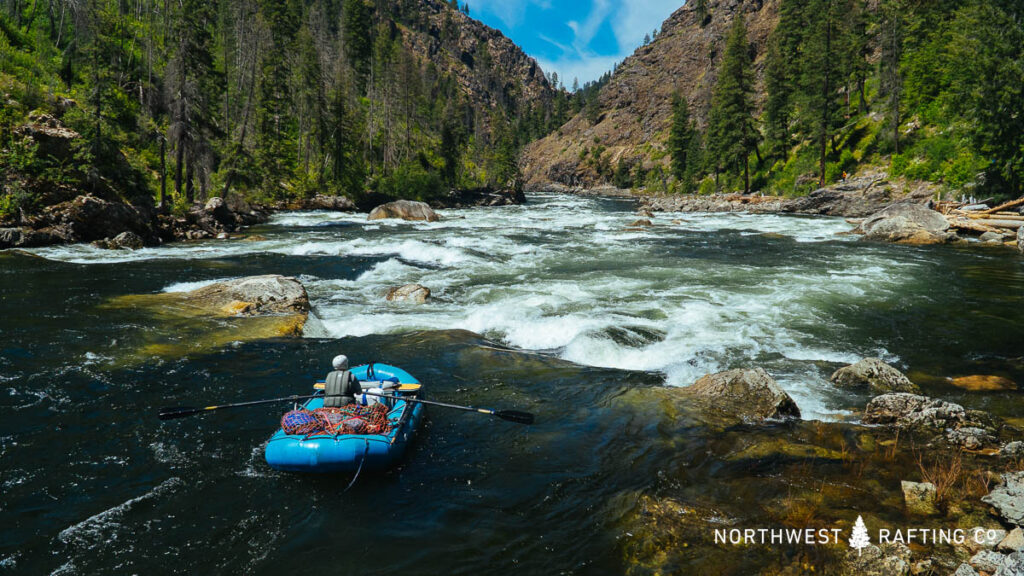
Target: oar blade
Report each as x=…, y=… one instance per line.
x=177, y=412
x=515, y=416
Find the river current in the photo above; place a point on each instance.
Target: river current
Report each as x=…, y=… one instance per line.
x=559, y=306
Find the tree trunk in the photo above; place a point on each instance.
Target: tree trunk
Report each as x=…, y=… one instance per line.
x=163, y=174
x=746, y=174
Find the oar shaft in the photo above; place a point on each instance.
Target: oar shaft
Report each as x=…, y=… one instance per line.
x=432, y=403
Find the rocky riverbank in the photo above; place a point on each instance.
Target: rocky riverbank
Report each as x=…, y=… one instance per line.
x=120, y=225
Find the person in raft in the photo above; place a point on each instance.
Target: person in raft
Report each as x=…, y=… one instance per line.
x=341, y=385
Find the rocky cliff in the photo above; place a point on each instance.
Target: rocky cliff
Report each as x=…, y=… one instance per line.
x=488, y=67
x=634, y=108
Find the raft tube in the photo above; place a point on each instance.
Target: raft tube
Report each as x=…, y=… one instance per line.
x=348, y=452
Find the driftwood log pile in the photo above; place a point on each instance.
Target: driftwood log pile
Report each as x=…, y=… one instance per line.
x=1005, y=219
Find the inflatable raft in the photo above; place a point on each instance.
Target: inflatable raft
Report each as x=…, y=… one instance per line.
x=376, y=448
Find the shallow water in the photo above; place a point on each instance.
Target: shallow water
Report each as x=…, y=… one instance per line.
x=553, y=307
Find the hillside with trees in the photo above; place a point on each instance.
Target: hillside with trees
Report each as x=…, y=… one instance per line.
x=785, y=96
x=169, y=103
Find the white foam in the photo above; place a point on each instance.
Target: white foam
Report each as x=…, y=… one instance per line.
x=94, y=529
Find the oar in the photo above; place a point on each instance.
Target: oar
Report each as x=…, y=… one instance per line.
x=510, y=415
x=183, y=411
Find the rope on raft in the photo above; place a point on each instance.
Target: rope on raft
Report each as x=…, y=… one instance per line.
x=351, y=419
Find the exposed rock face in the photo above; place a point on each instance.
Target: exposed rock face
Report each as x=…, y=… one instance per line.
x=26, y=238
x=908, y=223
x=510, y=196
x=635, y=106
x=752, y=395
x=919, y=497
x=409, y=293
x=252, y=296
x=1008, y=498
x=53, y=138
x=873, y=374
x=405, y=210
x=510, y=71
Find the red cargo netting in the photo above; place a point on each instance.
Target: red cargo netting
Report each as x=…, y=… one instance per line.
x=351, y=419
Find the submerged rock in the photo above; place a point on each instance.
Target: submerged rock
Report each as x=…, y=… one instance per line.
x=1008, y=498
x=752, y=395
x=919, y=497
x=408, y=293
x=405, y=210
x=643, y=222
x=908, y=223
x=218, y=315
x=874, y=374
x=989, y=383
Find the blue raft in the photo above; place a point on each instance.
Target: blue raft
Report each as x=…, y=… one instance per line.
x=348, y=452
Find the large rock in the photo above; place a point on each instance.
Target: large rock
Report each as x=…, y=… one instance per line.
x=405, y=210
x=123, y=241
x=252, y=296
x=409, y=293
x=912, y=411
x=752, y=395
x=53, y=138
x=88, y=218
x=332, y=203
x=908, y=223
x=986, y=561
x=1008, y=498
x=1020, y=238
x=875, y=375
x=984, y=383
x=1012, y=542
x=26, y=238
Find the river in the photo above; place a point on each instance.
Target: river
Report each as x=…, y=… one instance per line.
x=558, y=307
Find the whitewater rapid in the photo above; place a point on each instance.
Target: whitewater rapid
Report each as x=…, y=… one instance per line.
x=568, y=276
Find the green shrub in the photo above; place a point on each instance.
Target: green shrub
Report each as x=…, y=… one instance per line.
x=412, y=181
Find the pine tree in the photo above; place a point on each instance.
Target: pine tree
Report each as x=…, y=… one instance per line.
x=891, y=81
x=821, y=76
x=732, y=135
x=680, y=138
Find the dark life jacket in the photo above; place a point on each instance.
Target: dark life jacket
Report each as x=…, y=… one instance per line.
x=340, y=389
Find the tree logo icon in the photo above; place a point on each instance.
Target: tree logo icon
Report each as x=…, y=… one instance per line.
x=859, y=539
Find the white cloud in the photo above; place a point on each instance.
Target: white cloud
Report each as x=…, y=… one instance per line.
x=630, y=21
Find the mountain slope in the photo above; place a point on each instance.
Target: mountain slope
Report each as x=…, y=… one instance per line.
x=633, y=109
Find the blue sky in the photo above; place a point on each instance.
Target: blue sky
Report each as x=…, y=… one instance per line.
x=576, y=38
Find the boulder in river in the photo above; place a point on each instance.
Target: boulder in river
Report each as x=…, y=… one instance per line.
x=643, y=222
x=905, y=410
x=908, y=223
x=1020, y=238
x=123, y=241
x=408, y=293
x=332, y=203
x=752, y=395
x=252, y=296
x=217, y=315
x=405, y=210
x=873, y=374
